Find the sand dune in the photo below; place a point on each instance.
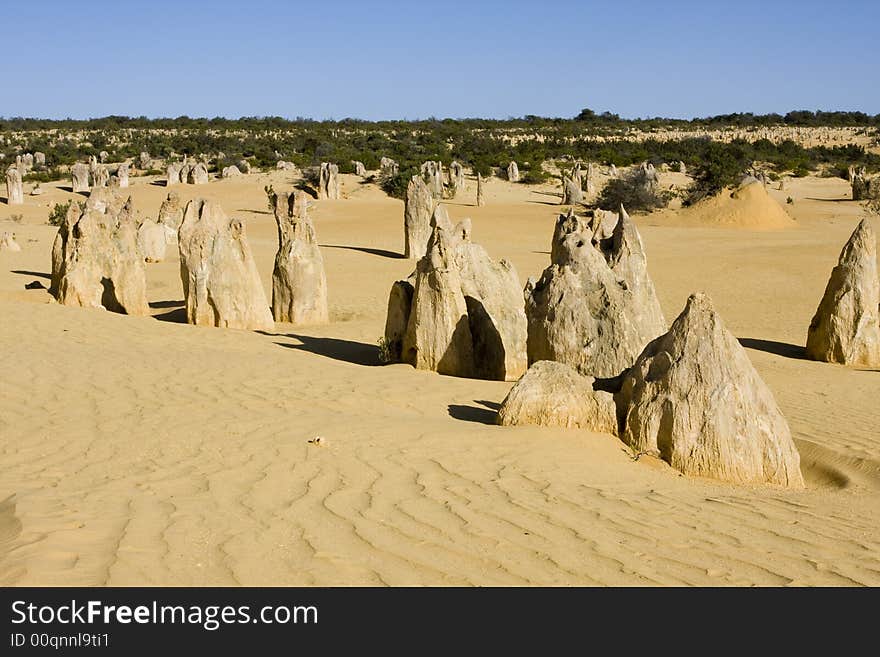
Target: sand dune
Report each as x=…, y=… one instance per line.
x=143, y=451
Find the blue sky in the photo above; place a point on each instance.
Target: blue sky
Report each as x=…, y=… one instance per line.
x=390, y=60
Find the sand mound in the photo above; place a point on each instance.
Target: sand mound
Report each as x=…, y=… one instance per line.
x=748, y=206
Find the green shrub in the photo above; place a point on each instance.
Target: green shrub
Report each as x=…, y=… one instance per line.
x=535, y=174
x=58, y=213
x=630, y=191
x=722, y=167
x=395, y=186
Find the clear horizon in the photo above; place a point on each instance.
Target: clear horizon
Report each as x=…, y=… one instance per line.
x=496, y=60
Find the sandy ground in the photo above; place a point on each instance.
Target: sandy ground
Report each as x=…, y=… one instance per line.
x=143, y=451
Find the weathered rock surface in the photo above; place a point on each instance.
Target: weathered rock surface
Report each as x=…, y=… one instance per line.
x=571, y=192
x=198, y=174
x=328, y=185
x=495, y=309
x=14, y=191
x=8, y=243
x=595, y=307
x=417, y=211
x=230, y=172
x=100, y=176
x=79, y=176
x=553, y=394
x=457, y=280
x=299, y=285
x=122, y=172
x=221, y=283
x=172, y=174
x=388, y=167
x=455, y=173
x=359, y=168
x=846, y=326
x=481, y=201
x=513, y=172
x=438, y=336
x=171, y=212
x=96, y=261
x=694, y=399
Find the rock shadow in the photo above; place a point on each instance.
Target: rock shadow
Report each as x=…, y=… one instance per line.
x=348, y=351
x=785, y=349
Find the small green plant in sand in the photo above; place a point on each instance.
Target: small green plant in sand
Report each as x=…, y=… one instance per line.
x=384, y=351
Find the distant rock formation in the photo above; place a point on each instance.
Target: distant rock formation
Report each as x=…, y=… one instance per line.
x=513, y=172
x=694, y=399
x=299, y=285
x=100, y=176
x=122, y=175
x=594, y=307
x=14, y=191
x=388, y=167
x=846, y=326
x=198, y=174
x=230, y=172
x=172, y=174
x=481, y=200
x=359, y=168
x=170, y=212
x=221, y=283
x=328, y=185
x=79, y=176
x=455, y=174
x=8, y=243
x=432, y=172
x=145, y=161
x=571, y=192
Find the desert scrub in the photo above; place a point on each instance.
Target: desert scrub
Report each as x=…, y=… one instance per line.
x=630, y=191
x=58, y=213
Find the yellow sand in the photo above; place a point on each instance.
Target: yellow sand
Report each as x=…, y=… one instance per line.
x=749, y=206
x=137, y=451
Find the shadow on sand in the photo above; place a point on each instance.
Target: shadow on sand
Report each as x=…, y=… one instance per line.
x=771, y=347
x=348, y=351
x=485, y=415
x=167, y=304
x=365, y=249
x=177, y=316
x=25, y=272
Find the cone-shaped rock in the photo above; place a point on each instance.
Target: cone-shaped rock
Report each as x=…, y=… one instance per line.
x=553, y=394
x=846, y=326
x=495, y=309
x=694, y=399
x=221, y=283
x=299, y=285
x=438, y=335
